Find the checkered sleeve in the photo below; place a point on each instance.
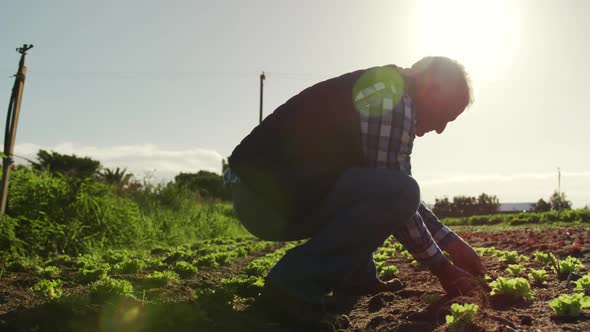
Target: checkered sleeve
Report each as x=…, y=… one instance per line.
x=442, y=234
x=416, y=238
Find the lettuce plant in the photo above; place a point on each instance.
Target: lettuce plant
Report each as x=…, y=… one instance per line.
x=570, y=264
x=538, y=276
x=50, y=289
x=461, y=316
x=515, y=270
x=583, y=284
x=514, y=287
x=48, y=271
x=570, y=305
x=108, y=288
x=544, y=258
x=389, y=272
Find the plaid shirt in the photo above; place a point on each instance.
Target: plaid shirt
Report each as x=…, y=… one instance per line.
x=387, y=132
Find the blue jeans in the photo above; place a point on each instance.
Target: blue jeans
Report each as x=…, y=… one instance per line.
x=364, y=208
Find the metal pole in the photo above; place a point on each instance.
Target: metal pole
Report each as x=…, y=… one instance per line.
x=11, y=124
x=559, y=181
x=262, y=77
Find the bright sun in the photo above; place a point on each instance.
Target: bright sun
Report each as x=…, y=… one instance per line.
x=483, y=35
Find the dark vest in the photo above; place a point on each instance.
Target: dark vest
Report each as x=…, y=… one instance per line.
x=294, y=157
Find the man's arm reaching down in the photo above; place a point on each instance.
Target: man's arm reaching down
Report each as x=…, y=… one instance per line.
x=462, y=254
x=442, y=234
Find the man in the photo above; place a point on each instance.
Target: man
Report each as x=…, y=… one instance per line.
x=333, y=164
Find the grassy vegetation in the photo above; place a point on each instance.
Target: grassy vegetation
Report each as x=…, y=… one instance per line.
x=555, y=218
x=52, y=214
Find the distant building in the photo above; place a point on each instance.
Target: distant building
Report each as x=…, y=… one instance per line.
x=516, y=207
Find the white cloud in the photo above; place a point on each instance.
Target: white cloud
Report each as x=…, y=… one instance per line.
x=138, y=159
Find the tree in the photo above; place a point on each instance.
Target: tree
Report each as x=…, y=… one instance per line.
x=206, y=184
x=68, y=165
x=542, y=206
x=558, y=202
x=464, y=206
x=116, y=177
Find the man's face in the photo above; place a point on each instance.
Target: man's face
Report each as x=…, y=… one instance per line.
x=435, y=105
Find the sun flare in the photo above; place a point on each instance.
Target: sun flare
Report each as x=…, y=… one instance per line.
x=483, y=35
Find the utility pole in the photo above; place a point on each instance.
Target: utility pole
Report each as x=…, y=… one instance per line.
x=559, y=181
x=262, y=78
x=11, y=124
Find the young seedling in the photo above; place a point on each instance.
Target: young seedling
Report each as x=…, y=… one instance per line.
x=539, y=277
x=50, y=289
x=389, y=272
x=160, y=279
x=461, y=316
x=516, y=288
x=544, y=258
x=570, y=305
x=109, y=288
x=515, y=270
x=566, y=266
x=431, y=298
x=48, y=271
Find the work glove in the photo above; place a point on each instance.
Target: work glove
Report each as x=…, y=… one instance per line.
x=465, y=257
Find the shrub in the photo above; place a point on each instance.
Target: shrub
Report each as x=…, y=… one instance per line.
x=570, y=305
x=461, y=316
x=109, y=288
x=50, y=289
x=516, y=288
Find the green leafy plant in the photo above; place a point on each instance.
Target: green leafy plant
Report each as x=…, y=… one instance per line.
x=109, y=288
x=161, y=278
x=48, y=271
x=93, y=273
x=510, y=257
x=461, y=316
x=185, y=269
x=570, y=305
x=389, y=272
x=570, y=264
x=516, y=288
x=515, y=270
x=583, y=284
x=130, y=266
x=50, y=289
x=544, y=258
x=431, y=298
x=539, y=277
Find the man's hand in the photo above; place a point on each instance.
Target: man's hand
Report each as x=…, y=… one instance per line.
x=465, y=257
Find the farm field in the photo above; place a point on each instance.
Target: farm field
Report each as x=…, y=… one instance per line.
x=210, y=286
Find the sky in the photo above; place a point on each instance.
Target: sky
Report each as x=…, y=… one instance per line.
x=162, y=87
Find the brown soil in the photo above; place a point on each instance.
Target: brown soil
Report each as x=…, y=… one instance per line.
x=404, y=310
